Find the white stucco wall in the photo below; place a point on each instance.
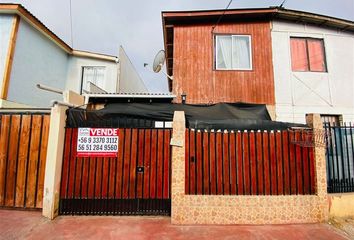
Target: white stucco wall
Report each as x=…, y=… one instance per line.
x=74, y=75
x=298, y=93
x=36, y=60
x=5, y=31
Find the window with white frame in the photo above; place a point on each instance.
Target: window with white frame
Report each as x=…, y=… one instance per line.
x=94, y=75
x=233, y=52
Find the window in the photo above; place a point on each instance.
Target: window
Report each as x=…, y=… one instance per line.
x=307, y=55
x=233, y=52
x=94, y=75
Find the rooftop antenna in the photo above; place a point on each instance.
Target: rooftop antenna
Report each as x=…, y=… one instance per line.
x=217, y=22
x=282, y=4
x=159, y=61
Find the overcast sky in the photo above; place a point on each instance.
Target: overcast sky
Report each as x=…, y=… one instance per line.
x=102, y=25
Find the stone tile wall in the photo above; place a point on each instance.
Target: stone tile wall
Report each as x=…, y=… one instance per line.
x=217, y=209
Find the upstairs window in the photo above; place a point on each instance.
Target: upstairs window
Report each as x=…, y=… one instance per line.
x=233, y=52
x=92, y=75
x=307, y=55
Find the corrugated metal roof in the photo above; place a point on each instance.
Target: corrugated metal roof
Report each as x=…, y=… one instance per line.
x=131, y=95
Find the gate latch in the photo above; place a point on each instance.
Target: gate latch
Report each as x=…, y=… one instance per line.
x=139, y=169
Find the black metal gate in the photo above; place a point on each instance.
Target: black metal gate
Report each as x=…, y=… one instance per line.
x=339, y=154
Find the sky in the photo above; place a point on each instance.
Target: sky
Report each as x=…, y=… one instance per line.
x=103, y=25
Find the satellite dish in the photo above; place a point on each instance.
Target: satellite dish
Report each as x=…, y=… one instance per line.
x=159, y=60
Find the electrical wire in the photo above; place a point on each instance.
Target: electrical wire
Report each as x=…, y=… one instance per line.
x=282, y=4
x=216, y=24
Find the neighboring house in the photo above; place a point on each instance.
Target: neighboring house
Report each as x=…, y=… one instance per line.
x=31, y=54
x=295, y=62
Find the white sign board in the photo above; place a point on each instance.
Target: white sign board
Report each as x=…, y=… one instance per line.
x=97, y=142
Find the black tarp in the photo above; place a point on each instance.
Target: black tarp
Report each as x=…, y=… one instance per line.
x=241, y=116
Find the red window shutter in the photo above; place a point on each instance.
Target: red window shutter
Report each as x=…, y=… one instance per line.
x=299, y=60
x=316, y=55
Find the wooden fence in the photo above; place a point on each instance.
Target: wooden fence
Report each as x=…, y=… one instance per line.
x=137, y=181
x=248, y=163
x=23, y=148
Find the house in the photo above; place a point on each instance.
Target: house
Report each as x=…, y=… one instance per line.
x=293, y=61
x=32, y=54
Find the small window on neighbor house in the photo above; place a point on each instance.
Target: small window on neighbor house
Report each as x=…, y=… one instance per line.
x=307, y=55
x=92, y=75
x=233, y=52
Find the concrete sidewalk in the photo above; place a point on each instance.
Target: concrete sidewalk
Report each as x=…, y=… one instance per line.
x=31, y=225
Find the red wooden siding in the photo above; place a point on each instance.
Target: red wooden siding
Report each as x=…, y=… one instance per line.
x=117, y=178
x=248, y=163
x=23, y=150
x=194, y=73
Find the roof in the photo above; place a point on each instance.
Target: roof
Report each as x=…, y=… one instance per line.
x=171, y=18
x=130, y=95
x=18, y=9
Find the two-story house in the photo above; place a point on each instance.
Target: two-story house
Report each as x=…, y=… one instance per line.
x=295, y=62
x=32, y=54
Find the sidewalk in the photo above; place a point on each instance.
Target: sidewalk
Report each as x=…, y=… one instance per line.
x=31, y=225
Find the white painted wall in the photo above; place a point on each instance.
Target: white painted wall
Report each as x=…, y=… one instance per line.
x=36, y=60
x=74, y=76
x=130, y=81
x=298, y=93
x=5, y=31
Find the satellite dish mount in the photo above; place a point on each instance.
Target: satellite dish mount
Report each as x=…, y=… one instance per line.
x=159, y=61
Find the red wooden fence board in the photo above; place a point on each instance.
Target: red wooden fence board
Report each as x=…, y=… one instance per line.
x=260, y=161
x=199, y=162
x=147, y=156
x=233, y=179
x=109, y=177
x=253, y=163
x=226, y=164
x=279, y=165
x=285, y=144
x=160, y=163
x=248, y=163
x=240, y=189
x=219, y=165
x=299, y=169
x=140, y=176
x=212, y=163
x=166, y=166
x=206, y=163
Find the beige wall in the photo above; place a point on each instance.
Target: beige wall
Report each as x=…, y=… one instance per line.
x=341, y=205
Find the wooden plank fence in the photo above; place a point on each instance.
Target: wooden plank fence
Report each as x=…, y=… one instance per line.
x=137, y=181
x=248, y=163
x=23, y=149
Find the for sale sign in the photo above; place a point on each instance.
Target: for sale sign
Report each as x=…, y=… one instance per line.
x=97, y=142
